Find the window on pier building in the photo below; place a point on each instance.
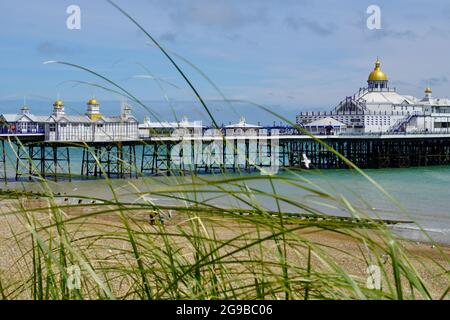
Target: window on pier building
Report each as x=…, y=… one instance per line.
x=439, y=125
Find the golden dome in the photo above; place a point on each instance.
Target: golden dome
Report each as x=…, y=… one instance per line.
x=428, y=90
x=58, y=104
x=377, y=74
x=93, y=102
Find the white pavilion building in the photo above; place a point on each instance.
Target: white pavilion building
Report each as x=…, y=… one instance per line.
x=242, y=128
x=325, y=125
x=23, y=122
x=59, y=126
x=164, y=128
x=381, y=109
x=93, y=126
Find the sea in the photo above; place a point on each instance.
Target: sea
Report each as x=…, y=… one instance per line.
x=418, y=196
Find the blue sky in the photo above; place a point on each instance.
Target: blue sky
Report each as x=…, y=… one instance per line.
x=291, y=55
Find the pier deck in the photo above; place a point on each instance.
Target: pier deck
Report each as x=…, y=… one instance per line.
x=168, y=155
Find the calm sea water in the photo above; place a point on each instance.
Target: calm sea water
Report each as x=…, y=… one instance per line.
x=423, y=192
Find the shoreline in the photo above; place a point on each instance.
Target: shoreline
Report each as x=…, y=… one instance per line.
x=407, y=230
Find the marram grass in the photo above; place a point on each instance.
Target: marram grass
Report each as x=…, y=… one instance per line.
x=201, y=252
x=79, y=247
x=204, y=251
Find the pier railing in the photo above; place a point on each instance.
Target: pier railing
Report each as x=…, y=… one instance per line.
x=390, y=133
x=18, y=131
x=352, y=113
x=265, y=131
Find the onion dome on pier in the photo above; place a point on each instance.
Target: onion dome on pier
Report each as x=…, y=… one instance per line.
x=93, y=109
x=59, y=104
x=377, y=78
x=93, y=102
x=58, y=107
x=428, y=95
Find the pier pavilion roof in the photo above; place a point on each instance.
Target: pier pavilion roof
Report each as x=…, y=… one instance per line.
x=384, y=97
x=242, y=124
x=324, y=122
x=393, y=98
x=119, y=119
x=86, y=119
x=69, y=118
x=23, y=117
x=184, y=123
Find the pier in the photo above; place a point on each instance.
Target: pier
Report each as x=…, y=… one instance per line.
x=121, y=147
x=166, y=155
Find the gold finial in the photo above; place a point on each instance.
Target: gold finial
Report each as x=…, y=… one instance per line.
x=428, y=90
x=377, y=63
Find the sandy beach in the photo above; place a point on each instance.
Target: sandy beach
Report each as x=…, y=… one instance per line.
x=345, y=250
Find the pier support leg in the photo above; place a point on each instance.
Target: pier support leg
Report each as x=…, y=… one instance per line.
x=111, y=160
x=3, y=162
x=24, y=163
x=148, y=158
x=89, y=162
